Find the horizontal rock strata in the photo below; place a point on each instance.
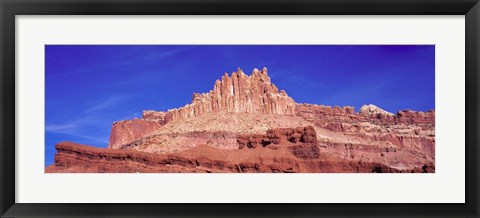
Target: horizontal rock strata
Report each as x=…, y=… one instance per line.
x=246, y=124
x=285, y=157
x=126, y=131
x=238, y=93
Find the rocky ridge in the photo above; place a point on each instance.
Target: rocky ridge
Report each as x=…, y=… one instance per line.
x=238, y=93
x=247, y=116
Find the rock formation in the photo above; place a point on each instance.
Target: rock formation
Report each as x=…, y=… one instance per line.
x=155, y=116
x=238, y=93
x=280, y=153
x=372, y=110
x=416, y=117
x=129, y=130
x=245, y=124
x=396, y=140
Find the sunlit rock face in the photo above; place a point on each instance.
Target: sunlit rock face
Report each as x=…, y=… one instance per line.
x=154, y=116
x=245, y=124
x=371, y=109
x=238, y=93
x=126, y=131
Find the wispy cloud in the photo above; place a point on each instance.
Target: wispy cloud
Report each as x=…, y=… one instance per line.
x=103, y=139
x=89, y=125
x=77, y=128
x=72, y=125
x=168, y=53
x=105, y=103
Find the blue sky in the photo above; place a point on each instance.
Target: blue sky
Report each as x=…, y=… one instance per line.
x=88, y=87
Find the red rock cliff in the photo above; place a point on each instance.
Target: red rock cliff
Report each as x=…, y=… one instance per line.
x=280, y=150
x=244, y=113
x=238, y=93
x=127, y=131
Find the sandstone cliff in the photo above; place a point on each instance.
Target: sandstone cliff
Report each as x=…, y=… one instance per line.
x=126, y=131
x=401, y=140
x=280, y=150
x=238, y=93
x=245, y=124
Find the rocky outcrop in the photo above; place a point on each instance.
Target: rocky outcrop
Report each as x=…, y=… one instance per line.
x=75, y=158
x=372, y=110
x=278, y=150
x=325, y=115
x=376, y=113
x=245, y=124
x=402, y=140
x=276, y=136
x=175, y=142
x=238, y=93
x=127, y=131
x=415, y=117
x=155, y=116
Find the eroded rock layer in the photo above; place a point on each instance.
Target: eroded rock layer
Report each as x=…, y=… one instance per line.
x=238, y=93
x=287, y=150
x=126, y=131
x=245, y=124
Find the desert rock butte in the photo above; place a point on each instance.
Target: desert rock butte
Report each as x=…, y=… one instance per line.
x=246, y=124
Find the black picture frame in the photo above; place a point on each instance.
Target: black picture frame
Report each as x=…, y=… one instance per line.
x=10, y=8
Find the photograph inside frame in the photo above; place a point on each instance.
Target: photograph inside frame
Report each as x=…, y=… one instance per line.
x=239, y=109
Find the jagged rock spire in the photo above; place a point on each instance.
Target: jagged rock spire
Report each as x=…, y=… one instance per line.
x=238, y=93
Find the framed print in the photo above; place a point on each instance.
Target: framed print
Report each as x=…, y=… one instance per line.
x=257, y=108
x=256, y=125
